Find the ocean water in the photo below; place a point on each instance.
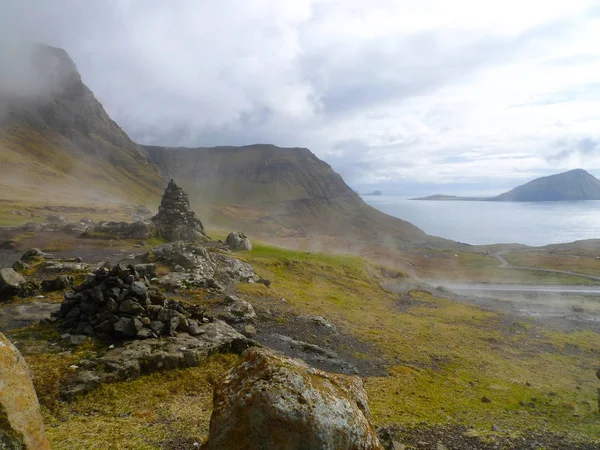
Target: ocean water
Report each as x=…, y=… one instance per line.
x=535, y=223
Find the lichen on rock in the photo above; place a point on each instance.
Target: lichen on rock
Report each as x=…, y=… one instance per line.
x=21, y=425
x=268, y=401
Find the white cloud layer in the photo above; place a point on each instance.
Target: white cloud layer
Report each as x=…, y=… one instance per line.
x=390, y=93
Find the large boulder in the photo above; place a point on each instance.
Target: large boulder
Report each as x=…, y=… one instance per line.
x=271, y=402
x=176, y=221
x=238, y=241
x=21, y=425
x=11, y=283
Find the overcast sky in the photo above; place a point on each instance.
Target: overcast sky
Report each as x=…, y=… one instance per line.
x=418, y=96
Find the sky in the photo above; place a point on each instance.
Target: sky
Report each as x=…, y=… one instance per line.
x=410, y=97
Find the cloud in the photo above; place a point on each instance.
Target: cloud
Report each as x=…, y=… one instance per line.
x=385, y=91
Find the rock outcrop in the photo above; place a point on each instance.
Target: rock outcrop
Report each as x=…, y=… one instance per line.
x=140, y=357
x=268, y=401
x=21, y=425
x=176, y=221
x=238, y=241
x=11, y=283
x=193, y=265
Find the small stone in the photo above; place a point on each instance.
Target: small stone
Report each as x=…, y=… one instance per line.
x=145, y=333
x=112, y=305
x=131, y=307
x=194, y=328
x=249, y=331
x=485, y=399
x=496, y=428
x=157, y=326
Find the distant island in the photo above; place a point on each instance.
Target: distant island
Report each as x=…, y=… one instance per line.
x=375, y=193
x=573, y=185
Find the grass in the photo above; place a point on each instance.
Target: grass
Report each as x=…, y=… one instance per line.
x=443, y=357
x=566, y=261
x=482, y=267
x=446, y=355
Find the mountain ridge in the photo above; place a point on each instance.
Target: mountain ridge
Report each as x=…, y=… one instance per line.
x=290, y=188
x=57, y=140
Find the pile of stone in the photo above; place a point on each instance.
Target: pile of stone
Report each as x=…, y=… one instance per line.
x=176, y=221
x=117, y=303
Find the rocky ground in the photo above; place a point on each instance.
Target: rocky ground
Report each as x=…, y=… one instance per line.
x=104, y=313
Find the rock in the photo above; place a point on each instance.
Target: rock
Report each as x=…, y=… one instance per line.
x=34, y=255
x=57, y=219
x=485, y=399
x=20, y=266
x=321, y=322
x=269, y=401
x=128, y=327
x=74, y=339
x=176, y=221
x=249, y=331
x=75, y=228
x=145, y=356
x=59, y=283
x=233, y=310
x=230, y=270
x=11, y=283
x=496, y=428
x=21, y=425
x=146, y=270
x=59, y=267
x=131, y=307
x=238, y=241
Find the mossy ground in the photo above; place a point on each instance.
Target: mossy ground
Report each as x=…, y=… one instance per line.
x=443, y=356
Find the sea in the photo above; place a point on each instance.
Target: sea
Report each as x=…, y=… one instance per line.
x=474, y=222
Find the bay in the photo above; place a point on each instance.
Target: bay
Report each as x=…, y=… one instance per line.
x=530, y=223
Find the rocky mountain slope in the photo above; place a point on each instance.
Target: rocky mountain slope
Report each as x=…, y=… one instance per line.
x=572, y=185
x=57, y=143
x=286, y=190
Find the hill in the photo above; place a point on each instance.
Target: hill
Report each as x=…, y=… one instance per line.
x=286, y=191
x=57, y=143
x=572, y=185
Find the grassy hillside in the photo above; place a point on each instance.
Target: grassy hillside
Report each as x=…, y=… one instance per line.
x=441, y=357
x=58, y=145
x=285, y=192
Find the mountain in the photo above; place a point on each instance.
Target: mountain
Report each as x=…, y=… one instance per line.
x=575, y=184
x=287, y=191
x=572, y=185
x=57, y=143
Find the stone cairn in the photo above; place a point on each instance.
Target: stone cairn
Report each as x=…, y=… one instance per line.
x=117, y=303
x=176, y=221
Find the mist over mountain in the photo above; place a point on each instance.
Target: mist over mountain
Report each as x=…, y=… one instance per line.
x=58, y=141
x=288, y=190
